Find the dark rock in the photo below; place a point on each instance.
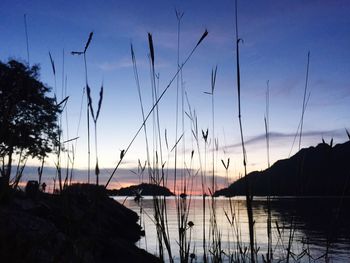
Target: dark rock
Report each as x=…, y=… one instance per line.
x=81, y=225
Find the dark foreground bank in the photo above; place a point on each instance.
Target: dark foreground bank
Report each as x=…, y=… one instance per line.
x=81, y=225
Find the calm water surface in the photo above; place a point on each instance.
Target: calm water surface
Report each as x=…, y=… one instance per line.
x=318, y=222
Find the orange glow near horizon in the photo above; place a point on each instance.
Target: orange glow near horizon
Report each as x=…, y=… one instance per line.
x=195, y=190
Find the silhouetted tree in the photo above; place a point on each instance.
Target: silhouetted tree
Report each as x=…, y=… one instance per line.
x=28, y=117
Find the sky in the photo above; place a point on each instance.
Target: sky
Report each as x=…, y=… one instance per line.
x=276, y=38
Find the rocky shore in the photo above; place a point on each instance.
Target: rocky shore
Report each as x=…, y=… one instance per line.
x=82, y=224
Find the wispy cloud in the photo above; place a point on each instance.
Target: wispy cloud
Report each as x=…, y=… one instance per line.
x=276, y=136
x=127, y=63
x=108, y=66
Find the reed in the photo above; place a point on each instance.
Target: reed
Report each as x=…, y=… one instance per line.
x=157, y=173
x=68, y=139
x=136, y=76
x=195, y=133
x=95, y=118
x=62, y=105
x=87, y=100
x=156, y=103
x=300, y=165
x=249, y=197
x=58, y=151
x=215, y=234
x=238, y=254
x=160, y=217
x=269, y=254
x=179, y=16
x=304, y=98
x=212, y=243
x=204, y=194
x=74, y=147
x=183, y=201
x=211, y=93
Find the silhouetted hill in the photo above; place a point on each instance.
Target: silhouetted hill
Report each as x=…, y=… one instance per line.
x=142, y=189
x=315, y=171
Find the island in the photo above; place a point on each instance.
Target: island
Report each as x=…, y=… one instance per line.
x=143, y=189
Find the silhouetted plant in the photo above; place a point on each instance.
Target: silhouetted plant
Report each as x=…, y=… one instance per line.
x=134, y=63
x=269, y=254
x=156, y=103
x=95, y=118
x=86, y=84
x=28, y=116
x=249, y=197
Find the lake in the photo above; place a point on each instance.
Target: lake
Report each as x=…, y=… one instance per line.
x=318, y=224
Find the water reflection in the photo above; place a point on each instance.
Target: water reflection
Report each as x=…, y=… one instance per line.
x=319, y=226
x=321, y=223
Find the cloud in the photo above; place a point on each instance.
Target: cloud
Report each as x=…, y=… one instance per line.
x=261, y=138
x=127, y=63
x=109, y=66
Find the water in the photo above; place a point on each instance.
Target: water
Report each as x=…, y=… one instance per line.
x=318, y=224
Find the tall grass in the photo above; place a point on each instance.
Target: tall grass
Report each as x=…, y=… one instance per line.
x=87, y=100
x=212, y=236
x=195, y=133
x=157, y=173
x=60, y=142
x=74, y=147
x=179, y=16
x=269, y=254
x=238, y=253
x=58, y=151
x=215, y=234
x=300, y=164
x=249, y=197
x=90, y=110
x=182, y=200
x=304, y=98
x=204, y=193
x=136, y=76
x=156, y=103
x=95, y=118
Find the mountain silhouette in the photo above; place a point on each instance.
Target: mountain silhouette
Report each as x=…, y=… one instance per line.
x=315, y=171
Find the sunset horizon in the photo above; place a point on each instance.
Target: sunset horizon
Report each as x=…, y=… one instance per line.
x=175, y=131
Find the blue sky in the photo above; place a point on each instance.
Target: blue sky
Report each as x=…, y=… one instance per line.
x=277, y=36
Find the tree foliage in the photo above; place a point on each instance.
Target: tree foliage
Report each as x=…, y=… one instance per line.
x=28, y=117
